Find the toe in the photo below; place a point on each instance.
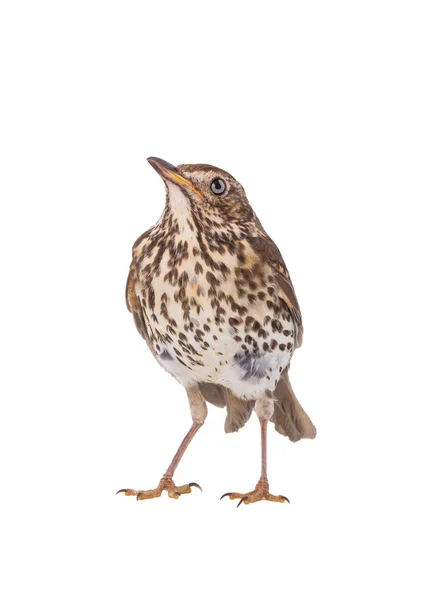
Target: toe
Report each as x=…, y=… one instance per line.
x=244, y=499
x=186, y=489
x=193, y=484
x=174, y=494
x=273, y=498
x=232, y=495
x=148, y=494
x=128, y=492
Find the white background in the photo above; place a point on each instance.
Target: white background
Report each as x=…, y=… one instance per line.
x=329, y=114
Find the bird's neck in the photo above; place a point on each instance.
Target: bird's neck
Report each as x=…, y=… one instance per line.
x=192, y=223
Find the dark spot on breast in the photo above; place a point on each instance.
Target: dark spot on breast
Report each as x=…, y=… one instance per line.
x=183, y=279
x=249, y=321
x=233, y=322
x=223, y=268
x=212, y=279
x=276, y=326
x=151, y=298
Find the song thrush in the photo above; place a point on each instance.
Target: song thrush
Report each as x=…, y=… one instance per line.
x=212, y=297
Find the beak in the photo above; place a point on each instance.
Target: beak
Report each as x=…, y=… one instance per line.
x=168, y=172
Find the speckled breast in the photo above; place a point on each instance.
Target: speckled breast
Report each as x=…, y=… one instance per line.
x=214, y=316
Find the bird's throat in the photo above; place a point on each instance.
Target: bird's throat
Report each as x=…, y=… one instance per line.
x=179, y=205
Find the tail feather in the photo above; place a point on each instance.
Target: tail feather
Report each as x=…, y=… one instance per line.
x=238, y=411
x=289, y=417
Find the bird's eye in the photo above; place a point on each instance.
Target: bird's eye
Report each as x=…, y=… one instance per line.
x=218, y=186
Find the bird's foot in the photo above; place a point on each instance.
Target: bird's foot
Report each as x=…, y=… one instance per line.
x=261, y=492
x=166, y=483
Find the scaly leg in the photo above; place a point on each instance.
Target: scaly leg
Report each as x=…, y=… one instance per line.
x=261, y=491
x=199, y=411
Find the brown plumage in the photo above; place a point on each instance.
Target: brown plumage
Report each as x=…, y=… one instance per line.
x=211, y=295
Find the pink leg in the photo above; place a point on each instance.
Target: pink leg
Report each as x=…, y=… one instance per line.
x=166, y=482
x=263, y=448
x=182, y=448
x=261, y=491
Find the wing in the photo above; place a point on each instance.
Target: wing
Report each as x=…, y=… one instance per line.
x=268, y=252
x=134, y=306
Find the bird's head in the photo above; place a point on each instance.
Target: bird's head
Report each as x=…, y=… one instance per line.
x=214, y=197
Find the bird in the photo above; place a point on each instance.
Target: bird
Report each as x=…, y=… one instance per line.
x=212, y=297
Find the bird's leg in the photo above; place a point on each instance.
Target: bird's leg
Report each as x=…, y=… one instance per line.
x=264, y=410
x=198, y=409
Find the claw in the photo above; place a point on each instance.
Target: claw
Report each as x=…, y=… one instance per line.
x=242, y=500
x=224, y=495
x=166, y=484
x=285, y=498
x=193, y=484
